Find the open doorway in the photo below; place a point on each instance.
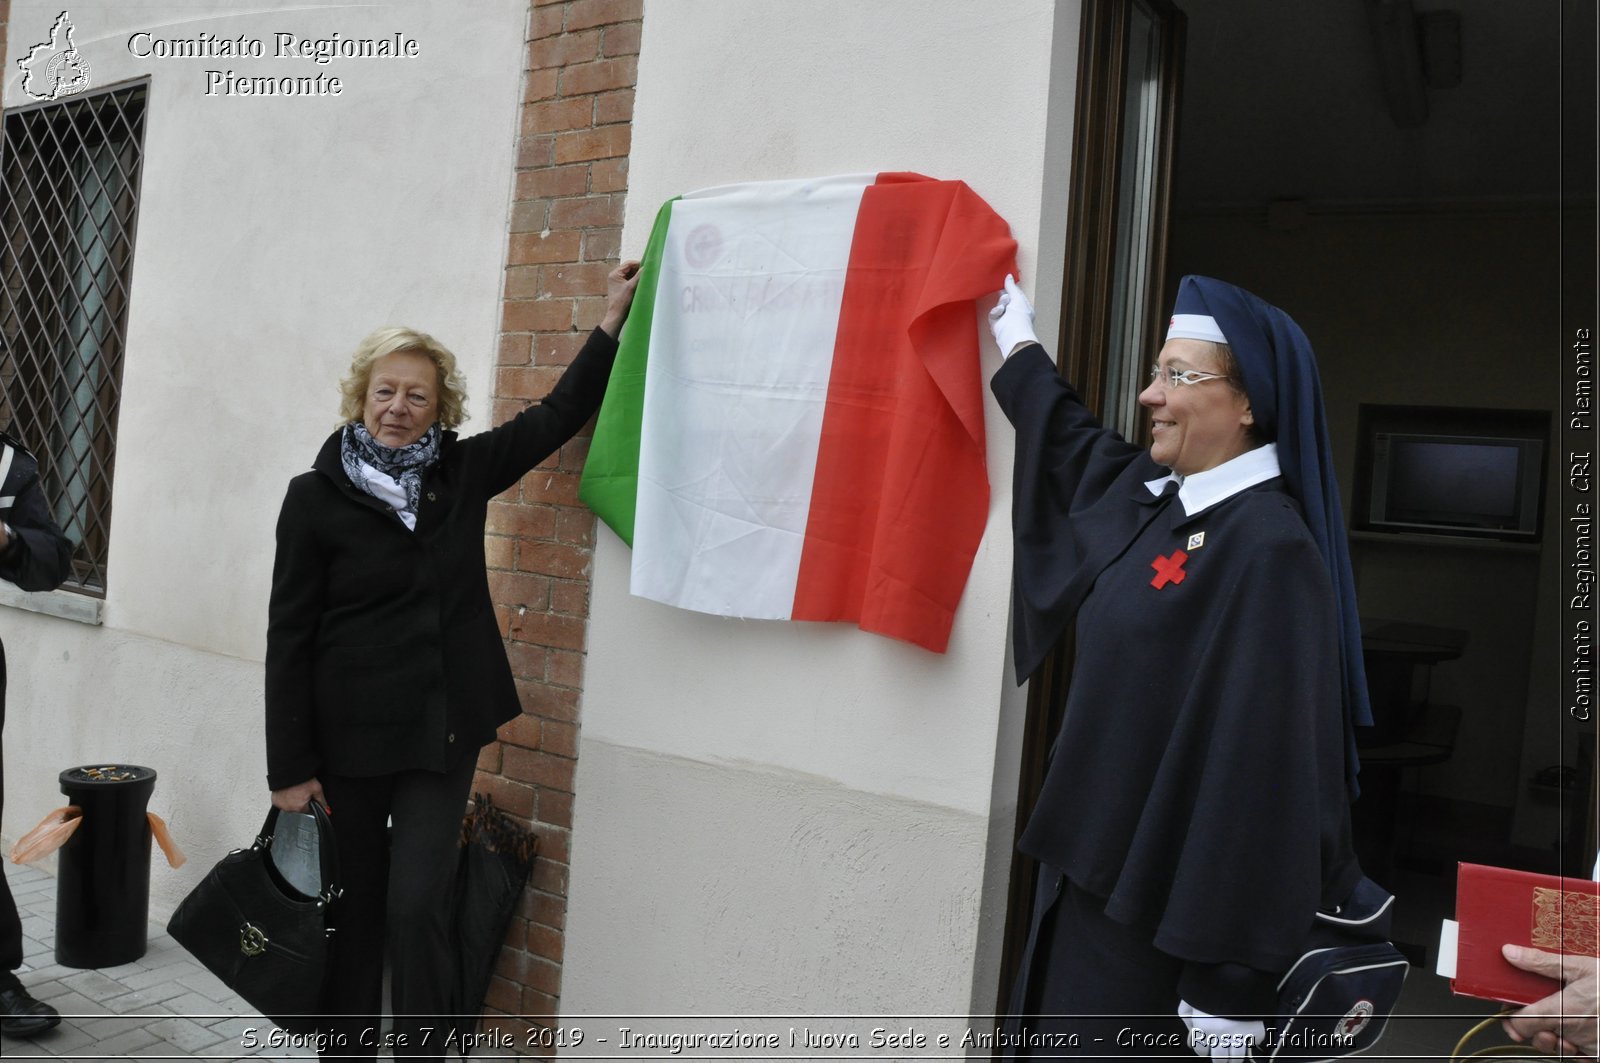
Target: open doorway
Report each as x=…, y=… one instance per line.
x=1413, y=180
x=1404, y=177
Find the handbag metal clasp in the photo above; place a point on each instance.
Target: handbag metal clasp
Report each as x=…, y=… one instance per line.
x=252, y=942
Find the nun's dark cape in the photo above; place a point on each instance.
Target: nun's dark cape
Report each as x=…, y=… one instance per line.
x=1198, y=781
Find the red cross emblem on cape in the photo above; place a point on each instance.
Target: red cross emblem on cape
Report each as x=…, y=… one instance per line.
x=1168, y=569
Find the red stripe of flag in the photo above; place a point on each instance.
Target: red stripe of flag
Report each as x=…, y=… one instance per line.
x=901, y=492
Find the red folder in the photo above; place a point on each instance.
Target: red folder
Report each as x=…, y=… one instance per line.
x=1498, y=906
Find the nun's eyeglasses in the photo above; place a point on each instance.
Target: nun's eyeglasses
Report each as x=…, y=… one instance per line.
x=1171, y=378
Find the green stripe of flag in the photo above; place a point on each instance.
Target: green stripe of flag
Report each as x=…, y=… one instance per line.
x=610, y=484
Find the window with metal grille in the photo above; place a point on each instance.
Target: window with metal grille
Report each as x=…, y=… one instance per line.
x=70, y=171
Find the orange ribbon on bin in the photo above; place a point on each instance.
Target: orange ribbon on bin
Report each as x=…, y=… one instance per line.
x=57, y=826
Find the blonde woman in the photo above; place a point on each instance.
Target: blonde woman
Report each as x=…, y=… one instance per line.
x=385, y=668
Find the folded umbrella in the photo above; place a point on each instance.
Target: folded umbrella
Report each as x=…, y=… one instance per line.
x=496, y=858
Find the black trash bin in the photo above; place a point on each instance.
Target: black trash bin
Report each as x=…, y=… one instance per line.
x=103, y=884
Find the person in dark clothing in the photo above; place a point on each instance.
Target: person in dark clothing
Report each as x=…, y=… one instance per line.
x=36, y=557
x=385, y=668
x=1195, y=811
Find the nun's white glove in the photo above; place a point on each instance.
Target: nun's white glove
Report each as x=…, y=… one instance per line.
x=1011, y=320
x=1217, y=1037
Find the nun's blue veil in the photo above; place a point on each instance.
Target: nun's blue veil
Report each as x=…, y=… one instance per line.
x=1280, y=377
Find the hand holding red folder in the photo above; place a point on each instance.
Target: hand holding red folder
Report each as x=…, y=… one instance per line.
x=1565, y=1021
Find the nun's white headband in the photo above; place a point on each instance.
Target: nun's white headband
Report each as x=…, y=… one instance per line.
x=1194, y=327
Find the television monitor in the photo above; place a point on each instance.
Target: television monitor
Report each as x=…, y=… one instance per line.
x=1456, y=484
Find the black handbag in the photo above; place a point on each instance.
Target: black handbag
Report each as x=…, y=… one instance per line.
x=266, y=940
x=1337, y=998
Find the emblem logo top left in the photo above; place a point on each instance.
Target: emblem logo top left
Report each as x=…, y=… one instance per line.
x=55, y=68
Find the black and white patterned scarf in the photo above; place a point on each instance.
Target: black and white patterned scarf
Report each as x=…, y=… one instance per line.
x=392, y=475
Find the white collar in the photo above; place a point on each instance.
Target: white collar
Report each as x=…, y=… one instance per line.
x=1202, y=490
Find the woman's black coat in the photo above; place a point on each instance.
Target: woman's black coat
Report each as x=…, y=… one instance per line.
x=383, y=652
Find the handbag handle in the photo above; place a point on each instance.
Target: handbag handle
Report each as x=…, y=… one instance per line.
x=327, y=851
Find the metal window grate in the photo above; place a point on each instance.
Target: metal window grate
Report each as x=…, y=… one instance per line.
x=70, y=172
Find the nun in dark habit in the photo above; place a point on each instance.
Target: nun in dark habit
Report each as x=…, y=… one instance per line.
x=1195, y=812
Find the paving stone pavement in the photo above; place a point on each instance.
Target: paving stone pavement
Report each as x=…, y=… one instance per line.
x=162, y=1006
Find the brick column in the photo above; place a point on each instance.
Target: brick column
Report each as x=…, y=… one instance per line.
x=565, y=234
x=5, y=19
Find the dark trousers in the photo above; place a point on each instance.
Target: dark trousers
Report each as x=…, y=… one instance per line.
x=10, y=921
x=1092, y=987
x=397, y=892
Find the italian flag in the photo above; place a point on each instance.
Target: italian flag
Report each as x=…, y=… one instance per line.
x=794, y=426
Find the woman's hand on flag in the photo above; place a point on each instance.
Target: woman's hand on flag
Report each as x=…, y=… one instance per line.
x=620, y=284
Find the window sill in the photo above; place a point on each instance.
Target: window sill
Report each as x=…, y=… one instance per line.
x=63, y=604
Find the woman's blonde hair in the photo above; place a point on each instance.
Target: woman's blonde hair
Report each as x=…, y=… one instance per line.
x=388, y=340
